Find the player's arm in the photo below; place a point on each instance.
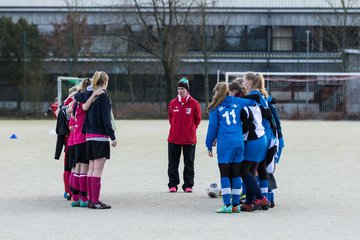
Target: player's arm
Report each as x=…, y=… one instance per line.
x=212, y=131
x=91, y=99
x=197, y=113
x=170, y=113
x=106, y=118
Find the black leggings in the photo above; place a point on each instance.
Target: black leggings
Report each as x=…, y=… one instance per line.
x=252, y=188
x=246, y=167
x=230, y=170
x=260, y=168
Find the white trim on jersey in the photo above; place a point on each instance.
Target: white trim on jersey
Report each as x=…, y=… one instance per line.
x=271, y=167
x=98, y=139
x=257, y=121
x=264, y=189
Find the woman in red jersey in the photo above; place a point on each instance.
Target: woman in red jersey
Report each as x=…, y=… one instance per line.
x=184, y=117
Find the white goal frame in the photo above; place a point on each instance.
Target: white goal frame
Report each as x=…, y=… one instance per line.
x=240, y=74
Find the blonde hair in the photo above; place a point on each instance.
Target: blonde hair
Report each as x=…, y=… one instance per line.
x=84, y=84
x=221, y=91
x=100, y=78
x=73, y=89
x=258, y=82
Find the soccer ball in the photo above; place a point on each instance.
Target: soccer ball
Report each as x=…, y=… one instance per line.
x=213, y=190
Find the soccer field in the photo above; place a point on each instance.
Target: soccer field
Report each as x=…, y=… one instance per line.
x=318, y=187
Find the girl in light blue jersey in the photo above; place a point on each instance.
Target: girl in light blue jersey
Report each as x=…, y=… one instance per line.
x=271, y=165
x=225, y=127
x=254, y=84
x=254, y=149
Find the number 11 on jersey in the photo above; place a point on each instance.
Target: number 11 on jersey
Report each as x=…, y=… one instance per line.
x=226, y=115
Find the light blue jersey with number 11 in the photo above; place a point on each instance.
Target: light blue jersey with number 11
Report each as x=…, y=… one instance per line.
x=225, y=123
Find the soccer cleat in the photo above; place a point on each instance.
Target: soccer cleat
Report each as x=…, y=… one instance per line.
x=265, y=207
x=247, y=208
x=75, y=204
x=84, y=204
x=188, y=190
x=100, y=205
x=261, y=203
x=173, y=189
x=225, y=209
x=236, y=209
x=272, y=204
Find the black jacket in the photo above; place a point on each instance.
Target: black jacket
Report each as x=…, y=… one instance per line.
x=98, y=117
x=62, y=130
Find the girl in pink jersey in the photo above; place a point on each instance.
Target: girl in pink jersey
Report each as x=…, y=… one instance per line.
x=71, y=150
x=82, y=163
x=69, y=153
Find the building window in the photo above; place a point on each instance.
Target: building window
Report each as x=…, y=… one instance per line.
x=96, y=30
x=256, y=38
x=282, y=39
x=300, y=39
x=318, y=39
x=235, y=38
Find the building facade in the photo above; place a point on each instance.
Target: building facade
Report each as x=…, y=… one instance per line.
x=262, y=36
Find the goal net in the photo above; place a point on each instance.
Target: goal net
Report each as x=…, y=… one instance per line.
x=332, y=96
x=63, y=85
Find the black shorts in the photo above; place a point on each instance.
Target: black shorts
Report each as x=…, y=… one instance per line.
x=71, y=157
x=97, y=149
x=80, y=153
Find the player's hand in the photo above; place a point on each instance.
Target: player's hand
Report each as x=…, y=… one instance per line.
x=214, y=143
x=114, y=143
x=210, y=153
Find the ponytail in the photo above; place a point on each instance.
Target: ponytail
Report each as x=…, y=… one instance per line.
x=99, y=79
x=262, y=85
x=221, y=90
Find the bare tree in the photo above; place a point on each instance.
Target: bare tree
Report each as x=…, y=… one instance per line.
x=205, y=44
x=341, y=28
x=71, y=39
x=160, y=29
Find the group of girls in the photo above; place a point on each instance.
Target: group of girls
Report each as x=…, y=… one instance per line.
x=90, y=127
x=243, y=123
x=245, y=126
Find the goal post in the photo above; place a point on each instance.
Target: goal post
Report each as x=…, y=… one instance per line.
x=302, y=95
x=72, y=80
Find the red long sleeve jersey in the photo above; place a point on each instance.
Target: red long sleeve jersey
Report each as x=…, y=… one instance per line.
x=184, y=120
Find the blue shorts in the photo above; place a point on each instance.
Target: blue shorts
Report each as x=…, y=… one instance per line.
x=255, y=150
x=230, y=155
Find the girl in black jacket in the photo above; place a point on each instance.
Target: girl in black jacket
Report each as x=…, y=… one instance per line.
x=99, y=131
